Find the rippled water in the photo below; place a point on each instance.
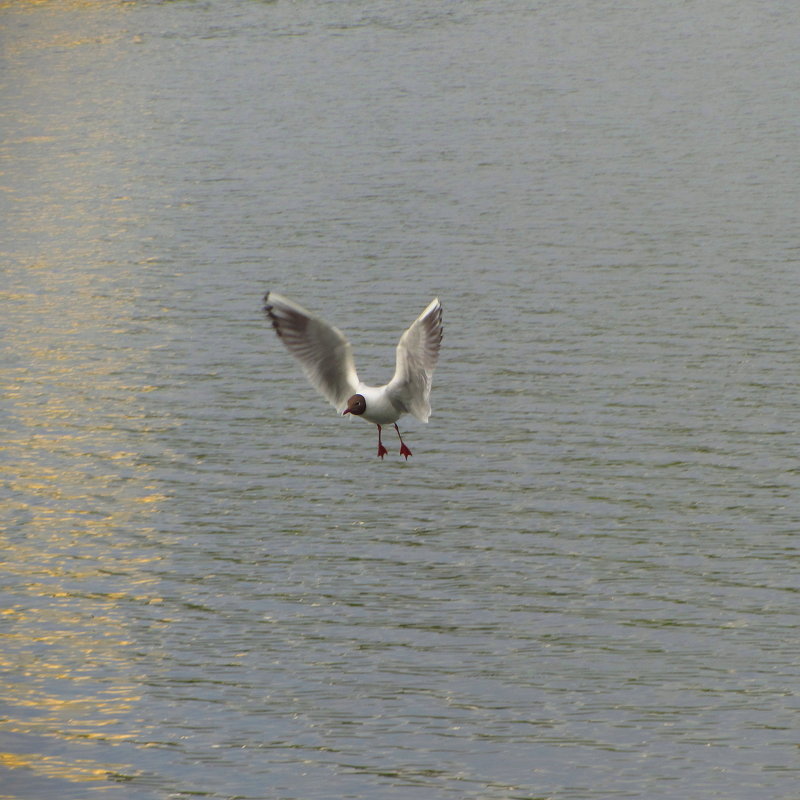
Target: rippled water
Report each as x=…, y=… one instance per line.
x=584, y=583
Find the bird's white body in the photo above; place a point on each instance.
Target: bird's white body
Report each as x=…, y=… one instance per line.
x=380, y=408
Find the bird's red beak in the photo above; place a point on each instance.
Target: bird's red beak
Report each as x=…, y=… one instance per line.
x=346, y=411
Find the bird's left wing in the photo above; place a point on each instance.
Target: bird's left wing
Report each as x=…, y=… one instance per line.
x=417, y=354
x=322, y=350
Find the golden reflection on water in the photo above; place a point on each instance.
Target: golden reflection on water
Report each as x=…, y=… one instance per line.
x=77, y=771
x=74, y=578
x=77, y=547
x=67, y=662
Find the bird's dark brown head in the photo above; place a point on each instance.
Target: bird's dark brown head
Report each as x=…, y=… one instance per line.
x=356, y=405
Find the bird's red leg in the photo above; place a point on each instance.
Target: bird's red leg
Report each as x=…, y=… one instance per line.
x=382, y=451
x=404, y=451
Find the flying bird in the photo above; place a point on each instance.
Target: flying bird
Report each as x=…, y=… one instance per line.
x=327, y=360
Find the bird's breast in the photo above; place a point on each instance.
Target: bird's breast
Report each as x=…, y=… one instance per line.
x=380, y=408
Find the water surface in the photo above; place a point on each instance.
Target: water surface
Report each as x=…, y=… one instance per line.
x=584, y=582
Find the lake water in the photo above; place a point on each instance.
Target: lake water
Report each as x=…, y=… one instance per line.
x=584, y=584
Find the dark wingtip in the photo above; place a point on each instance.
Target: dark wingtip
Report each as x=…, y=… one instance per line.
x=435, y=325
x=270, y=316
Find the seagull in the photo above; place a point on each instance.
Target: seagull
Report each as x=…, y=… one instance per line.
x=327, y=360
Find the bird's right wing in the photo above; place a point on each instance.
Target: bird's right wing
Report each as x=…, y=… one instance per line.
x=322, y=350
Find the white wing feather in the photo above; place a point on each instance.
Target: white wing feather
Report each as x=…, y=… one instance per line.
x=322, y=350
x=417, y=354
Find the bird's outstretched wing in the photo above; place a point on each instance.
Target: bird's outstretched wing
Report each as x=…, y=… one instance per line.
x=417, y=354
x=322, y=350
